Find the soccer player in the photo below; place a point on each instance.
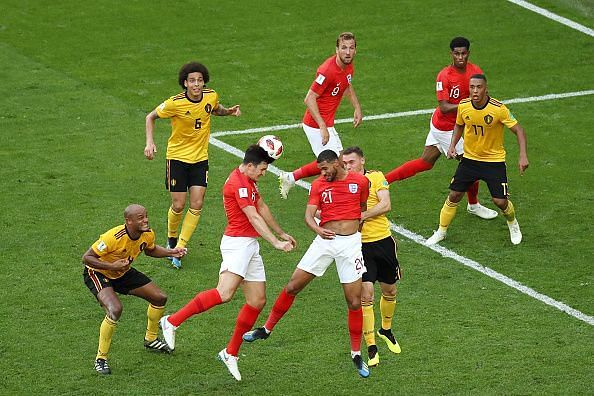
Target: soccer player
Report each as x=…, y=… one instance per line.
x=248, y=218
x=108, y=270
x=482, y=118
x=451, y=88
x=379, y=254
x=187, y=148
x=340, y=196
x=333, y=80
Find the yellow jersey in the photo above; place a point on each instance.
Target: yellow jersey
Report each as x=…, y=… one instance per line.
x=483, y=129
x=190, y=125
x=378, y=227
x=116, y=244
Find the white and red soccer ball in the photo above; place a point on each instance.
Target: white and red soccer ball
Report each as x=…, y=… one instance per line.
x=272, y=145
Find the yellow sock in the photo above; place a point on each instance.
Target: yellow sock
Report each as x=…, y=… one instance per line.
x=509, y=212
x=368, y=323
x=153, y=314
x=447, y=213
x=387, y=308
x=105, y=333
x=189, y=225
x=173, y=220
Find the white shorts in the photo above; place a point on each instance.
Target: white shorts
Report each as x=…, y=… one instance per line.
x=442, y=140
x=315, y=140
x=241, y=255
x=344, y=250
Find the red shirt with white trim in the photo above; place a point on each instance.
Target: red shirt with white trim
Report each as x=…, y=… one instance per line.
x=339, y=199
x=452, y=85
x=239, y=191
x=330, y=83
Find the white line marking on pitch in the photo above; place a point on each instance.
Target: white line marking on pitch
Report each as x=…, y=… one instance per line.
x=557, y=18
x=443, y=251
x=400, y=114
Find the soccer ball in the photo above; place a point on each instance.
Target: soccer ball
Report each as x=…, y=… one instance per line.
x=272, y=145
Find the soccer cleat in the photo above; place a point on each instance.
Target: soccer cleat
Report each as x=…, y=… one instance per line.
x=361, y=366
x=437, y=237
x=157, y=345
x=514, y=232
x=231, y=363
x=481, y=211
x=102, y=367
x=387, y=336
x=373, y=356
x=257, y=334
x=168, y=332
x=285, y=184
x=176, y=262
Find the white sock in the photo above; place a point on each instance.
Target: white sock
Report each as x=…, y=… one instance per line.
x=291, y=177
x=355, y=353
x=267, y=331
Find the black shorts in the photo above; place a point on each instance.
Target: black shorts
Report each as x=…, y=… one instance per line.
x=381, y=261
x=492, y=173
x=131, y=280
x=180, y=176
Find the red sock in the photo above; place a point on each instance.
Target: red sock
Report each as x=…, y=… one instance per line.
x=472, y=193
x=202, y=302
x=355, y=319
x=308, y=170
x=408, y=169
x=246, y=318
x=281, y=306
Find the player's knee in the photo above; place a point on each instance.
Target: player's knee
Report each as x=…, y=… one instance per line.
x=114, y=310
x=354, y=302
x=293, y=288
x=257, y=302
x=226, y=294
x=178, y=207
x=159, y=300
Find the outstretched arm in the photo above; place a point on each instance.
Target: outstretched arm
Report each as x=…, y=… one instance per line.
x=221, y=110
x=522, y=145
x=150, y=149
x=352, y=96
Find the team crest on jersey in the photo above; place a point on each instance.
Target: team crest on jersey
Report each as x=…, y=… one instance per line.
x=208, y=108
x=349, y=78
x=353, y=187
x=488, y=119
x=320, y=79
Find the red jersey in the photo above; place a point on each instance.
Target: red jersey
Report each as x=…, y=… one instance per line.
x=330, y=83
x=339, y=199
x=451, y=85
x=239, y=191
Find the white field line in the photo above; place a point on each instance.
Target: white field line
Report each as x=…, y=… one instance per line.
x=400, y=114
x=554, y=17
x=442, y=250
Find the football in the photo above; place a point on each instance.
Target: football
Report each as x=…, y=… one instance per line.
x=272, y=145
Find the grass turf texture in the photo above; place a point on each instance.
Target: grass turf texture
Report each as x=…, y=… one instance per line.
x=78, y=80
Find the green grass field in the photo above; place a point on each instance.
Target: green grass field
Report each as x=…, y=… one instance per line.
x=78, y=79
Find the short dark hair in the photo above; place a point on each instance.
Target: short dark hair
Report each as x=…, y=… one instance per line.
x=459, y=42
x=327, y=156
x=192, y=67
x=346, y=36
x=353, y=149
x=255, y=155
x=480, y=77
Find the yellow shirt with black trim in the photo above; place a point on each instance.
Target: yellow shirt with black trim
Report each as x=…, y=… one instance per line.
x=483, y=129
x=116, y=244
x=190, y=125
x=377, y=227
